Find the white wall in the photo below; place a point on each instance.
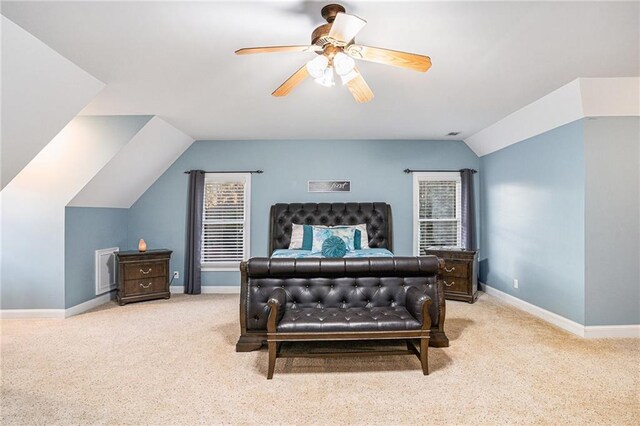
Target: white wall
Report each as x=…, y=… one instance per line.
x=610, y=97
x=135, y=168
x=33, y=207
x=41, y=92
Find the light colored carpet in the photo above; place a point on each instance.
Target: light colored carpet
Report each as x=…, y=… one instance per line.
x=173, y=362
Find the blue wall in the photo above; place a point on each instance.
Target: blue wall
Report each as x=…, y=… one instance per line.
x=612, y=212
x=374, y=168
x=532, y=214
x=89, y=229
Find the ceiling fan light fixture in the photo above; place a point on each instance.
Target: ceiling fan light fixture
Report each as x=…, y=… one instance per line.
x=334, y=42
x=317, y=66
x=343, y=64
x=327, y=78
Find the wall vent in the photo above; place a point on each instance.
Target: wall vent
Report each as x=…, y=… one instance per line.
x=106, y=270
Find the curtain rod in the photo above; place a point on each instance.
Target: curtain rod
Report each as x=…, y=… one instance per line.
x=230, y=171
x=413, y=170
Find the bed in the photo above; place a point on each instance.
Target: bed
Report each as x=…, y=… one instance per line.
x=358, y=279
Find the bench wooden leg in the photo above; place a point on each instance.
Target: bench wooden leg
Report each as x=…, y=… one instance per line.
x=424, y=355
x=409, y=344
x=273, y=349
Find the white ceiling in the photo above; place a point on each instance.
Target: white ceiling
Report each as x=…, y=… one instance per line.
x=176, y=60
x=36, y=82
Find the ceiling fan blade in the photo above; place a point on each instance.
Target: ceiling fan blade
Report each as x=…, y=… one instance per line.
x=390, y=57
x=345, y=27
x=292, y=82
x=276, y=49
x=359, y=88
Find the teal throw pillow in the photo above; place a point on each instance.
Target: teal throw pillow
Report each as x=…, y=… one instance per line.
x=334, y=247
x=307, y=237
x=357, y=240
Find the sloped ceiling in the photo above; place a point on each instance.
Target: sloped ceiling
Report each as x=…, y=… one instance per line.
x=33, y=206
x=175, y=60
x=135, y=167
x=584, y=97
x=41, y=92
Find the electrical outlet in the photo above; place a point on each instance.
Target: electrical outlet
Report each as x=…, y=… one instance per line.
x=515, y=283
x=176, y=274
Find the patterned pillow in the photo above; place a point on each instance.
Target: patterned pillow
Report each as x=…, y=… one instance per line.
x=361, y=238
x=322, y=233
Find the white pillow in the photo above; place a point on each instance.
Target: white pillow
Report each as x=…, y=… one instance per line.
x=297, y=233
x=364, y=237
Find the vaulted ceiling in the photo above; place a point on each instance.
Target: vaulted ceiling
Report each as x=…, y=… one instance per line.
x=175, y=60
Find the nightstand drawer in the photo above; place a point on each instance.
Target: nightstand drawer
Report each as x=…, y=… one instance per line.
x=455, y=268
x=455, y=284
x=145, y=286
x=143, y=271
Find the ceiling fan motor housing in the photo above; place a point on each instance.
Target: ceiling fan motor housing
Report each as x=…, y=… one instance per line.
x=319, y=36
x=330, y=11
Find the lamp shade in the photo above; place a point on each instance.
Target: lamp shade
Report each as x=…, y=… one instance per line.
x=317, y=66
x=327, y=78
x=343, y=64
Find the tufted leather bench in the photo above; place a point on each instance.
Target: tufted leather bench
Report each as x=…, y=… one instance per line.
x=335, y=283
x=343, y=299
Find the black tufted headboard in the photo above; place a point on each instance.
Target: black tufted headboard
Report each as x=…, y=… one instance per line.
x=377, y=216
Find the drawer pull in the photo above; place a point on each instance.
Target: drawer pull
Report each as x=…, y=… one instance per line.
x=449, y=285
x=145, y=272
x=145, y=286
x=450, y=270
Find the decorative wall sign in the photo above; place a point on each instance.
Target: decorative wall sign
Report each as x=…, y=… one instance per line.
x=329, y=186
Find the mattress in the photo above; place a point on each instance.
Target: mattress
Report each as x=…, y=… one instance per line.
x=303, y=254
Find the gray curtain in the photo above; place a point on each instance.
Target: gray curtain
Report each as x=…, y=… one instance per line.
x=468, y=210
x=192, y=273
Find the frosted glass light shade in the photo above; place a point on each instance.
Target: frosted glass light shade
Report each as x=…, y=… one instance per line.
x=343, y=64
x=317, y=66
x=327, y=78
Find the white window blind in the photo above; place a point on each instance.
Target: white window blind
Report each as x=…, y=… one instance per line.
x=436, y=210
x=225, y=222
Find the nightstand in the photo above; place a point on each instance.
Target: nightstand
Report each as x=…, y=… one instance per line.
x=460, y=274
x=143, y=275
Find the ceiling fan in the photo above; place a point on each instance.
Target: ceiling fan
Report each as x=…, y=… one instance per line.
x=335, y=44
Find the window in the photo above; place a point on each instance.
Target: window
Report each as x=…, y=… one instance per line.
x=436, y=210
x=225, y=221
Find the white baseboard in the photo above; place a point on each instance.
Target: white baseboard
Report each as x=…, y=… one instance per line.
x=604, y=331
x=31, y=313
x=210, y=289
x=590, y=332
x=550, y=317
x=55, y=313
x=89, y=304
